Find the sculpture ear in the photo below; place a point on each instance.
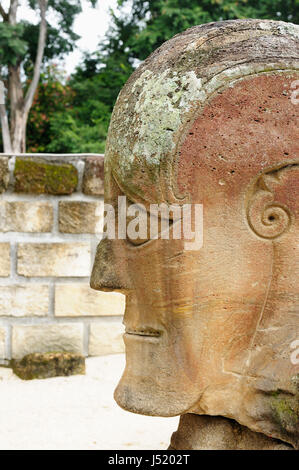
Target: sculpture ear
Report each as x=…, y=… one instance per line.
x=267, y=218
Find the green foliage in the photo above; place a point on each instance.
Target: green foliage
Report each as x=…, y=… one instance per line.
x=70, y=135
x=153, y=22
x=18, y=50
x=57, y=45
x=67, y=117
x=13, y=47
x=52, y=97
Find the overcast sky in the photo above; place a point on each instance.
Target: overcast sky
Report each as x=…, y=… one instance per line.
x=91, y=25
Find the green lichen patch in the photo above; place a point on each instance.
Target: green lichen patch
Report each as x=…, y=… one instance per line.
x=4, y=174
x=162, y=99
x=46, y=365
x=286, y=411
x=39, y=177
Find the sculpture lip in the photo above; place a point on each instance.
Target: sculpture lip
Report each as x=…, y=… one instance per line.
x=147, y=332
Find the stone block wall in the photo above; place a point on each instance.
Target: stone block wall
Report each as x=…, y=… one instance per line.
x=51, y=217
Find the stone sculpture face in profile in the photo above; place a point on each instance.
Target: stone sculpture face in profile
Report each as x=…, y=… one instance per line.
x=211, y=118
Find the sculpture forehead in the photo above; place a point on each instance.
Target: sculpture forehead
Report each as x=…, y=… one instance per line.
x=162, y=99
x=243, y=132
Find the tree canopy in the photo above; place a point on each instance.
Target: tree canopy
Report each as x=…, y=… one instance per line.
x=153, y=22
x=24, y=48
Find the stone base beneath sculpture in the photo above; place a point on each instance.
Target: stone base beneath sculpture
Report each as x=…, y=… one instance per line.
x=197, y=432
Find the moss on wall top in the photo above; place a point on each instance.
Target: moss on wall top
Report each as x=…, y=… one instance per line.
x=39, y=176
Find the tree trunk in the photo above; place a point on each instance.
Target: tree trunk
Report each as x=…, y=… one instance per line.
x=16, y=108
x=15, y=140
x=12, y=13
x=43, y=4
x=5, y=130
x=19, y=131
x=4, y=121
x=15, y=91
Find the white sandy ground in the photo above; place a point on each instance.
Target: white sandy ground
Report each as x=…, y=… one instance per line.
x=75, y=412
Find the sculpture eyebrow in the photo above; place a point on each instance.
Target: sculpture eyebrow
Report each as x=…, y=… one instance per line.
x=130, y=197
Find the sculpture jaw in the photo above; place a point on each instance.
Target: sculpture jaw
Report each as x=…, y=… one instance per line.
x=151, y=383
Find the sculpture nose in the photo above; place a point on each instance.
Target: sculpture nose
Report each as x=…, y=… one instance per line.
x=106, y=272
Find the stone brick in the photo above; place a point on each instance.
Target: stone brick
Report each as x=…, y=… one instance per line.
x=81, y=217
x=54, y=259
x=24, y=216
x=24, y=300
x=73, y=300
x=44, y=366
x=93, y=178
x=39, y=176
x=106, y=338
x=44, y=338
x=4, y=259
x=4, y=174
x=2, y=343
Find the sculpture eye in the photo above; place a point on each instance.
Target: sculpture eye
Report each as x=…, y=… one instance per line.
x=143, y=227
x=137, y=225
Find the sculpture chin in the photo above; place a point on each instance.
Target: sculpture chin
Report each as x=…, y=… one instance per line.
x=134, y=397
x=154, y=382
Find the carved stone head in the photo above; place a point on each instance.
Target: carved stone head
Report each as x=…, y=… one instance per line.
x=211, y=118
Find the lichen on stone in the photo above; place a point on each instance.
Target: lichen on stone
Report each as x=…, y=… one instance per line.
x=4, y=174
x=38, y=176
x=289, y=28
x=158, y=110
x=286, y=411
x=46, y=365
